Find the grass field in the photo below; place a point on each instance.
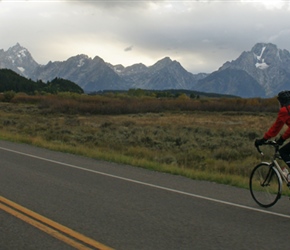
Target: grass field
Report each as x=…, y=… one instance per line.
x=209, y=145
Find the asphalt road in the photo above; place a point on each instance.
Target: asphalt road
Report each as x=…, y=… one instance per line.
x=124, y=207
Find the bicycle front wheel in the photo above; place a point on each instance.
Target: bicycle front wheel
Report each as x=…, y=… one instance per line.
x=265, y=185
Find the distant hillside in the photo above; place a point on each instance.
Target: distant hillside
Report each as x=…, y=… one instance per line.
x=62, y=85
x=261, y=72
x=231, y=81
x=11, y=81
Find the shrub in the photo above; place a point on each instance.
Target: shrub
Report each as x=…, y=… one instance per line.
x=8, y=96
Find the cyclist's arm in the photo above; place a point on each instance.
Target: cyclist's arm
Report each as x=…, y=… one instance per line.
x=277, y=126
x=286, y=135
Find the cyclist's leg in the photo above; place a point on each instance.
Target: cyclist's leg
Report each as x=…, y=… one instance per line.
x=285, y=153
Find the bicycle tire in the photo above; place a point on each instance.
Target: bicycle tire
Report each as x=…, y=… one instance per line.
x=265, y=184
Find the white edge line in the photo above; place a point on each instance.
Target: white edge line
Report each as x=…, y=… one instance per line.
x=152, y=185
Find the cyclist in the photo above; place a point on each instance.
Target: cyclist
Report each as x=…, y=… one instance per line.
x=282, y=118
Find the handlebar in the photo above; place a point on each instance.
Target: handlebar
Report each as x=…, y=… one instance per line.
x=271, y=143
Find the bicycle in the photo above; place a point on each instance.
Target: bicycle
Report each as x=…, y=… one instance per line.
x=267, y=178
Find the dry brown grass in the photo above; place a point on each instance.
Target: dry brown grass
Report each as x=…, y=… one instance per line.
x=216, y=146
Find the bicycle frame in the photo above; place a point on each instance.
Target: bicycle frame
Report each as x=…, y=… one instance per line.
x=274, y=162
x=266, y=179
x=277, y=166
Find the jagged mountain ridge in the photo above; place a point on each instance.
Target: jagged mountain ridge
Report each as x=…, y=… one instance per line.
x=261, y=72
x=95, y=74
x=155, y=76
x=231, y=81
x=265, y=63
x=18, y=59
x=90, y=74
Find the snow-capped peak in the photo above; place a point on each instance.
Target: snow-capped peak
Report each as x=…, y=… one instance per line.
x=260, y=56
x=18, y=59
x=22, y=53
x=261, y=64
x=81, y=62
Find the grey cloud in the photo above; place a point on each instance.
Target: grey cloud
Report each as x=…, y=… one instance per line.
x=114, y=4
x=128, y=48
x=201, y=35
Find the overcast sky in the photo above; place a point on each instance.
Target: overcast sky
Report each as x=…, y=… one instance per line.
x=201, y=35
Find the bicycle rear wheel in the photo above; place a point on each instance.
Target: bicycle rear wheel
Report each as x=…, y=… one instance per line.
x=265, y=185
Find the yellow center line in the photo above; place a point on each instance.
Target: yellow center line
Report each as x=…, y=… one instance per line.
x=44, y=228
x=39, y=222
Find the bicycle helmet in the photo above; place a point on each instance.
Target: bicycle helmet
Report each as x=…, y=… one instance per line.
x=284, y=97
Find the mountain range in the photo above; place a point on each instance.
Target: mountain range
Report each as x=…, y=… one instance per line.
x=261, y=72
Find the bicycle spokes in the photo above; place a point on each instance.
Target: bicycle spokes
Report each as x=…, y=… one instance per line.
x=265, y=185
x=268, y=178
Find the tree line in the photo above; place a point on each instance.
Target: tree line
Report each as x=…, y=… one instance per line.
x=11, y=81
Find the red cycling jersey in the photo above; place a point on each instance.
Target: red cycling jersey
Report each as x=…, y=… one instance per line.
x=283, y=118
